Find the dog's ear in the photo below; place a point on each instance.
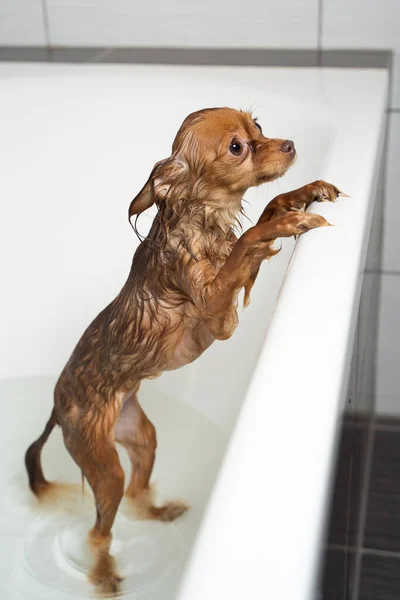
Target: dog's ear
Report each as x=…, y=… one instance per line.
x=165, y=176
x=144, y=199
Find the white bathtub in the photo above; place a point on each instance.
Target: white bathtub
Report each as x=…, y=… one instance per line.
x=77, y=143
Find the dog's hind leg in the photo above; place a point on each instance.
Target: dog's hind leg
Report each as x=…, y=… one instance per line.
x=91, y=445
x=137, y=434
x=37, y=481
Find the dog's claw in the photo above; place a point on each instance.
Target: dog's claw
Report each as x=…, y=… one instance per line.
x=326, y=192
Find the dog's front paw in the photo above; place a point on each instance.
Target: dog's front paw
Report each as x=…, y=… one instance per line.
x=296, y=223
x=325, y=192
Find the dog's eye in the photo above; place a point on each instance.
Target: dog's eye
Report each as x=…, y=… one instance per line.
x=258, y=126
x=236, y=148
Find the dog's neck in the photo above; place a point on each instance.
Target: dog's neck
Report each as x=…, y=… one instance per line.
x=223, y=218
x=202, y=234
x=206, y=232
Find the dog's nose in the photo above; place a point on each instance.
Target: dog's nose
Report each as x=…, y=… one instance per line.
x=288, y=146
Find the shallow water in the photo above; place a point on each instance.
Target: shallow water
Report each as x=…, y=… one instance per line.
x=43, y=553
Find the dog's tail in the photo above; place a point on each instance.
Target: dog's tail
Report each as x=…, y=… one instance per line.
x=37, y=482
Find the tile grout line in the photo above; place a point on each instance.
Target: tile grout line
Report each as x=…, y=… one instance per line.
x=387, y=427
x=383, y=213
x=46, y=24
x=348, y=520
x=367, y=551
x=390, y=67
x=284, y=57
x=363, y=509
x=340, y=548
x=389, y=272
x=320, y=32
x=383, y=553
x=103, y=53
x=359, y=549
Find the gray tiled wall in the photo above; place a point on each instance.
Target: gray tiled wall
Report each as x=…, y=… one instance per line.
x=364, y=24
x=296, y=24
x=388, y=377
x=376, y=24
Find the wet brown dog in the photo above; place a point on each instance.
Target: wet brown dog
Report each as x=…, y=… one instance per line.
x=180, y=296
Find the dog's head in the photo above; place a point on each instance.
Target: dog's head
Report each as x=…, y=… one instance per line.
x=217, y=154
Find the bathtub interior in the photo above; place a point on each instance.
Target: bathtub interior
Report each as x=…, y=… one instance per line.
x=72, y=165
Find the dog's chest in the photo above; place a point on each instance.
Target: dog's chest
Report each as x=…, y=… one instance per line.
x=194, y=338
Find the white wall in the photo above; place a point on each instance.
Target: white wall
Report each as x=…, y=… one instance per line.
x=22, y=23
x=364, y=24
x=183, y=23
x=173, y=23
x=355, y=24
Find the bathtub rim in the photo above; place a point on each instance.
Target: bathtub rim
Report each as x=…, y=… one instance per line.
x=213, y=541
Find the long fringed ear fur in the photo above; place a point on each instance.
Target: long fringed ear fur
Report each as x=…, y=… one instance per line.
x=144, y=199
x=163, y=180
